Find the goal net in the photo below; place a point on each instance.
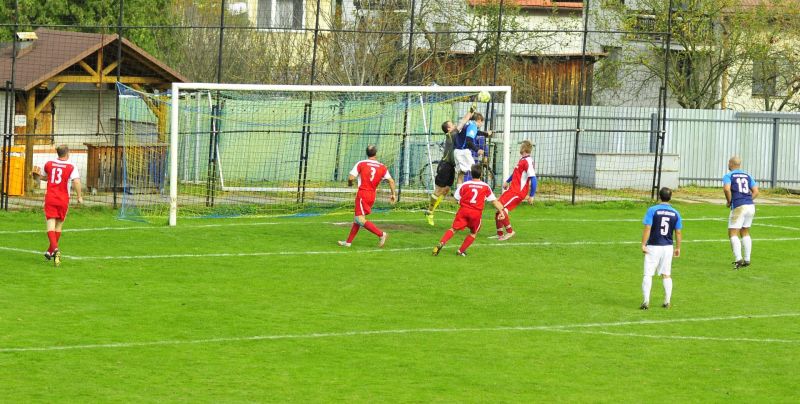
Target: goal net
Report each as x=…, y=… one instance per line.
x=216, y=150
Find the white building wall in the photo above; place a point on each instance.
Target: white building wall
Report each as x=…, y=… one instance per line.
x=77, y=113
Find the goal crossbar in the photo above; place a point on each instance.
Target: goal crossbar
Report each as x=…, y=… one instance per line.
x=177, y=88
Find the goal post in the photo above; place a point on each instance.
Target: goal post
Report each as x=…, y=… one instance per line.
x=291, y=113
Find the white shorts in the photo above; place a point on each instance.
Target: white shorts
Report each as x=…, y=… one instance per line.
x=742, y=217
x=658, y=260
x=464, y=160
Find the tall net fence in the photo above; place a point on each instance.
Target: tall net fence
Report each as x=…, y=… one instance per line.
x=600, y=86
x=268, y=152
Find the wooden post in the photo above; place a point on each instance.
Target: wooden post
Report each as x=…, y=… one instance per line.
x=162, y=115
x=30, y=128
x=99, y=68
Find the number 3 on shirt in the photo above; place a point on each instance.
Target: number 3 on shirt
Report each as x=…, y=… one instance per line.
x=744, y=185
x=55, y=176
x=372, y=172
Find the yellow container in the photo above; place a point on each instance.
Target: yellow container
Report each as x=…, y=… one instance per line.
x=16, y=175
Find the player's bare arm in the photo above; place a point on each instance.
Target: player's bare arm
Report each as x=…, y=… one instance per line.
x=393, y=197
x=500, y=209
x=351, y=179
x=37, y=175
x=754, y=192
x=76, y=183
x=465, y=118
x=727, y=190
x=678, y=239
x=645, y=236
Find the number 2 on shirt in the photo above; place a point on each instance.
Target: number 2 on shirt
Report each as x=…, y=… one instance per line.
x=474, y=196
x=55, y=175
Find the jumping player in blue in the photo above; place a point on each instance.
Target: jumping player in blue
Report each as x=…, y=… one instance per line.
x=740, y=189
x=465, y=144
x=660, y=222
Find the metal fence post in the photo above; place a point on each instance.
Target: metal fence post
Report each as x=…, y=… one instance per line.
x=221, y=40
x=581, y=90
x=314, y=52
x=116, y=118
x=662, y=130
x=404, y=176
x=654, y=122
x=776, y=123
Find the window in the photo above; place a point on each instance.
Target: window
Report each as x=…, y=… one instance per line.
x=287, y=14
x=644, y=27
x=381, y=5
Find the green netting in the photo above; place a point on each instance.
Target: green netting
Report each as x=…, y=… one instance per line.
x=269, y=153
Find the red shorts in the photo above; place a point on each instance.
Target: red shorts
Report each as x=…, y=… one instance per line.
x=510, y=199
x=470, y=218
x=364, y=201
x=53, y=211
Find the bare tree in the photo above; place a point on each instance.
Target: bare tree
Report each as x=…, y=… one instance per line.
x=250, y=54
x=773, y=53
x=704, y=48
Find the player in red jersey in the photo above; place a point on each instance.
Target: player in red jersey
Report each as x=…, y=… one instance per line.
x=60, y=174
x=521, y=186
x=470, y=196
x=369, y=173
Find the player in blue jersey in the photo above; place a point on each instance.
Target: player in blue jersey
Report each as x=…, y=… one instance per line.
x=660, y=222
x=740, y=189
x=465, y=144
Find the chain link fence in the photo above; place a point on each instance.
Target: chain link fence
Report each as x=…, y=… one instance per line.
x=60, y=64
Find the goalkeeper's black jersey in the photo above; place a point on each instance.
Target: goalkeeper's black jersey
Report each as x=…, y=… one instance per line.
x=449, y=144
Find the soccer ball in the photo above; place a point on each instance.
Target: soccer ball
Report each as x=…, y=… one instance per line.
x=484, y=96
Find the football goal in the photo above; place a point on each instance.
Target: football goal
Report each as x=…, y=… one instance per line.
x=239, y=149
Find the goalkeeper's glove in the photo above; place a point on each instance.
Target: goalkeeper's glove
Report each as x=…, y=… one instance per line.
x=473, y=108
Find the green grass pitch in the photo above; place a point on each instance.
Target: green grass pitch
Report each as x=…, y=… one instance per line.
x=271, y=309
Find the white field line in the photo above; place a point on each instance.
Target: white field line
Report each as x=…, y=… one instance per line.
x=349, y=251
x=20, y=250
x=288, y=221
x=777, y=226
x=562, y=327
x=681, y=337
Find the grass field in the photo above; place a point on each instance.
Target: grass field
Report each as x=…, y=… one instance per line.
x=270, y=309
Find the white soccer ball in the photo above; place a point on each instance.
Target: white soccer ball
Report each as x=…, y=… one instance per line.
x=484, y=96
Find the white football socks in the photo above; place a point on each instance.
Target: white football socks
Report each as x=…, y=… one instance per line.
x=736, y=246
x=647, y=283
x=667, y=289
x=747, y=244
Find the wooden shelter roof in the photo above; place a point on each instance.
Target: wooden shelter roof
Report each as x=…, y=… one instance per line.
x=55, y=52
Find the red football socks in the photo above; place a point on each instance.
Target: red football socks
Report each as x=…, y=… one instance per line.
x=447, y=236
x=507, y=224
x=467, y=242
x=371, y=227
x=353, y=232
x=58, y=236
x=52, y=236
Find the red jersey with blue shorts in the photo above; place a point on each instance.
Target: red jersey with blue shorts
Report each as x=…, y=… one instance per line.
x=369, y=174
x=520, y=185
x=471, y=196
x=60, y=174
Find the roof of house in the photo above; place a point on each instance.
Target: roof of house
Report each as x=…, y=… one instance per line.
x=56, y=51
x=564, y=4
